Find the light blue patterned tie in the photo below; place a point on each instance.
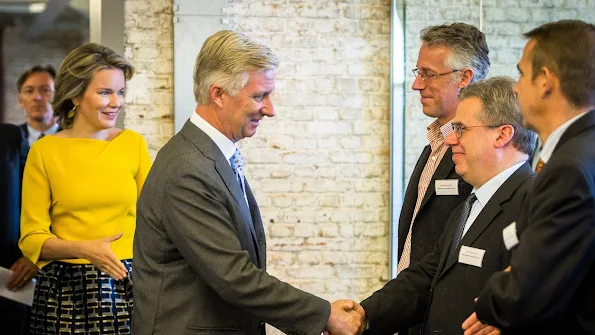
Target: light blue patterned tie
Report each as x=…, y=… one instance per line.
x=237, y=164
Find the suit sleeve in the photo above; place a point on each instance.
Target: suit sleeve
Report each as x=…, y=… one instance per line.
x=144, y=164
x=23, y=152
x=35, y=212
x=403, y=301
x=200, y=225
x=554, y=255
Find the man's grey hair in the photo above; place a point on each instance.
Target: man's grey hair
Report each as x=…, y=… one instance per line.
x=468, y=46
x=226, y=59
x=501, y=107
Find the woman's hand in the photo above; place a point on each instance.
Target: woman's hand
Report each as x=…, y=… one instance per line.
x=98, y=252
x=22, y=272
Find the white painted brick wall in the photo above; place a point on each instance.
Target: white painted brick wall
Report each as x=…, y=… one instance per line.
x=148, y=40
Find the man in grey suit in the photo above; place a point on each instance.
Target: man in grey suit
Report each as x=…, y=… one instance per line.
x=199, y=246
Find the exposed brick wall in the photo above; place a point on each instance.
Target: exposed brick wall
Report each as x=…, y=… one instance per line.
x=148, y=40
x=320, y=167
x=20, y=53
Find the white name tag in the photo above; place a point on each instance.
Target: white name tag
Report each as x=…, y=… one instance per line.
x=509, y=235
x=471, y=256
x=447, y=187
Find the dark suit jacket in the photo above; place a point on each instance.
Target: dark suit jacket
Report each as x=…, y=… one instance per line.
x=439, y=290
x=551, y=289
x=13, y=154
x=24, y=129
x=200, y=252
x=429, y=222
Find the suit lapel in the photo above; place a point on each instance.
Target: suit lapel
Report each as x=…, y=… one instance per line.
x=210, y=149
x=24, y=130
x=488, y=214
x=585, y=122
x=258, y=228
x=442, y=171
x=411, y=197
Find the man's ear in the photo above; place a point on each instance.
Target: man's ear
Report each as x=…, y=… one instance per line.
x=547, y=82
x=466, y=77
x=216, y=94
x=505, y=135
x=20, y=100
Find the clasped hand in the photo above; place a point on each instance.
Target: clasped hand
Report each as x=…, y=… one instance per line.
x=347, y=317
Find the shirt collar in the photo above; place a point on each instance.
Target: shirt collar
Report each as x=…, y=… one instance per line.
x=438, y=132
x=227, y=147
x=487, y=190
x=50, y=131
x=550, y=144
x=33, y=133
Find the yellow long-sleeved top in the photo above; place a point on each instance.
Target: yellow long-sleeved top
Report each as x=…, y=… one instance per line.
x=80, y=189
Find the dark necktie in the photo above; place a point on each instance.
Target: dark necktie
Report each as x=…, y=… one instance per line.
x=464, y=215
x=41, y=136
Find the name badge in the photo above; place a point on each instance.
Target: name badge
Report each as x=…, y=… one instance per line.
x=447, y=187
x=509, y=235
x=471, y=256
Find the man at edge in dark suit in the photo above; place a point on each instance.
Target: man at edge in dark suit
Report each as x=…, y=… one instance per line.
x=199, y=246
x=490, y=150
x=550, y=286
x=451, y=57
x=13, y=154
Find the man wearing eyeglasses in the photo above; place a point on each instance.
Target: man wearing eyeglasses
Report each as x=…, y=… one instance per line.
x=36, y=87
x=490, y=150
x=450, y=58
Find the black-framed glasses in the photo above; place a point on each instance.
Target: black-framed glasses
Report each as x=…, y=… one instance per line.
x=425, y=75
x=458, y=128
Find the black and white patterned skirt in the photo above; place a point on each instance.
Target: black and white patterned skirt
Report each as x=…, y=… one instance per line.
x=81, y=299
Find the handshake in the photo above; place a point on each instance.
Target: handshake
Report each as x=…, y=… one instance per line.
x=347, y=317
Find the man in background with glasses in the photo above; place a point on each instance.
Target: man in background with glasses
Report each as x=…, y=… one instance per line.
x=36, y=87
x=490, y=149
x=450, y=58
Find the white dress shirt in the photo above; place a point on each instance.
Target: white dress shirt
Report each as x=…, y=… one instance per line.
x=227, y=147
x=34, y=133
x=550, y=144
x=486, y=191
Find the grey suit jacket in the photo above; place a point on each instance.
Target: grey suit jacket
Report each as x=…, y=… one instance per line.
x=440, y=290
x=200, y=252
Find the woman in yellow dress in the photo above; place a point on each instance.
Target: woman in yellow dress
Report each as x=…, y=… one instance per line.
x=80, y=188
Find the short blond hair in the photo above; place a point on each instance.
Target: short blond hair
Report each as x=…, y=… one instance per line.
x=77, y=71
x=226, y=59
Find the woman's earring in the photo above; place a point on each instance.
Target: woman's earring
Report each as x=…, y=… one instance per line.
x=71, y=112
